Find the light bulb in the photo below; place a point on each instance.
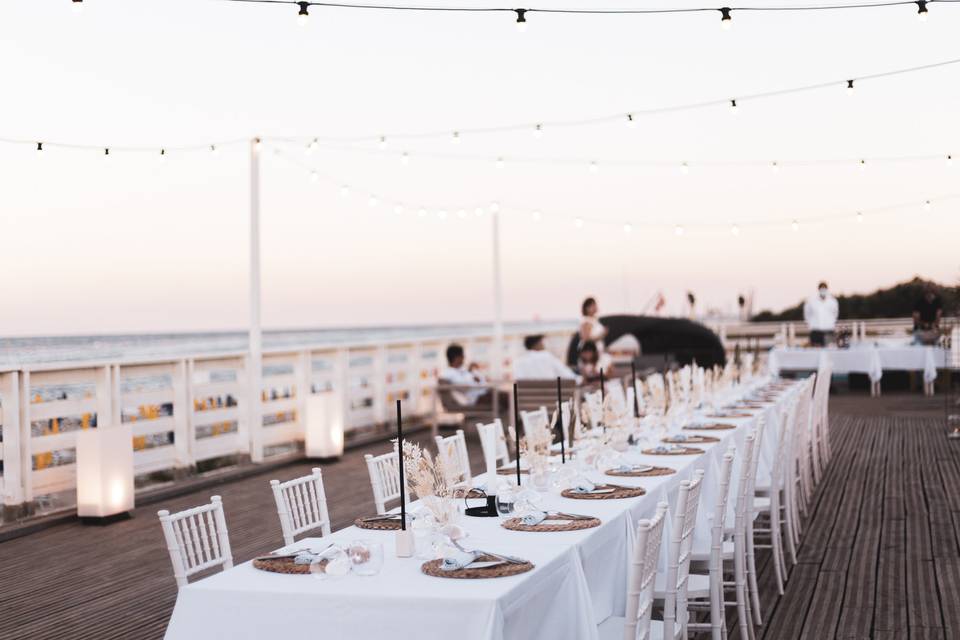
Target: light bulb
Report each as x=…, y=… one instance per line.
x=213, y=150
x=314, y=176
x=949, y=161
x=499, y=163
x=106, y=151
x=631, y=122
x=77, y=6
x=257, y=145
x=494, y=207
x=863, y=165
x=536, y=215
x=404, y=158
x=627, y=228
x=795, y=225
x=382, y=143
x=398, y=209
x=684, y=168
x=859, y=216
x=462, y=214
x=678, y=230
x=849, y=87
x=39, y=147
x=775, y=167
x=927, y=205
x=521, y=20
x=344, y=191
x=538, y=131
x=442, y=214
x=163, y=155
x=922, y=10
x=373, y=201
x=733, y=107
x=303, y=14
x=455, y=139
x=578, y=222
x=594, y=167
x=422, y=212
x=312, y=146
x=735, y=230
x=726, y=20
x=478, y=212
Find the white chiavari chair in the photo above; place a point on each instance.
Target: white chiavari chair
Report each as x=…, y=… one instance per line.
x=453, y=452
x=742, y=535
x=536, y=419
x=718, y=553
x=384, y=478
x=821, y=395
x=491, y=435
x=769, y=500
x=640, y=583
x=676, y=587
x=801, y=443
x=751, y=557
x=301, y=505
x=197, y=539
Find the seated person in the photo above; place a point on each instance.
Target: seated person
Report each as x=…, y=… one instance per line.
x=457, y=374
x=927, y=313
x=537, y=363
x=590, y=361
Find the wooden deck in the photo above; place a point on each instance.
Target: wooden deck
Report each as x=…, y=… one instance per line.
x=880, y=556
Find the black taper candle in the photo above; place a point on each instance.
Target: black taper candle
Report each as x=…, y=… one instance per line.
x=603, y=393
x=563, y=446
x=403, y=490
x=636, y=400
x=516, y=428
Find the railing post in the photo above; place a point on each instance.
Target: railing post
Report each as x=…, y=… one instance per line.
x=254, y=408
x=13, y=447
x=104, y=391
x=26, y=459
x=182, y=412
x=304, y=376
x=341, y=376
x=380, y=384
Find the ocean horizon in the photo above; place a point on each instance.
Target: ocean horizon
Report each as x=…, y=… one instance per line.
x=17, y=351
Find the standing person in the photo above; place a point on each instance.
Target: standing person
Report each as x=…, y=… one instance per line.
x=591, y=330
x=820, y=312
x=927, y=313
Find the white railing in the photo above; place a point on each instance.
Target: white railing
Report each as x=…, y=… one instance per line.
x=186, y=410
x=771, y=334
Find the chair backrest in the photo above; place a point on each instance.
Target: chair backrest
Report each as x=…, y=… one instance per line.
x=594, y=403
x=536, y=419
x=675, y=614
x=720, y=508
x=801, y=434
x=453, y=452
x=642, y=575
x=745, y=496
x=491, y=435
x=196, y=539
x=301, y=505
x=384, y=473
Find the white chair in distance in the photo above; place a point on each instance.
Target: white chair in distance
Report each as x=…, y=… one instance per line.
x=719, y=551
x=301, y=505
x=384, y=478
x=197, y=539
x=819, y=447
x=642, y=574
x=452, y=450
x=491, y=435
x=535, y=419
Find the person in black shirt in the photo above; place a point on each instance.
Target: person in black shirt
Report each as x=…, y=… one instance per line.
x=927, y=313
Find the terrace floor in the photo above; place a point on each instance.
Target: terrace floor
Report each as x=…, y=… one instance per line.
x=880, y=556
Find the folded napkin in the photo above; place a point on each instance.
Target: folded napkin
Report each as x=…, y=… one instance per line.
x=305, y=557
x=457, y=560
x=633, y=468
x=679, y=437
x=533, y=519
x=583, y=486
x=663, y=448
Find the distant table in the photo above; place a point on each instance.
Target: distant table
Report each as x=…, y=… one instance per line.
x=867, y=358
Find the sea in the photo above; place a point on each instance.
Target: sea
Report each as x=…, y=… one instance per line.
x=20, y=351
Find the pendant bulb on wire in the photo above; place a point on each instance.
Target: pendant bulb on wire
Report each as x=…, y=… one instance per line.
x=849, y=87
x=77, y=6
x=303, y=14
x=922, y=10
x=726, y=20
x=521, y=20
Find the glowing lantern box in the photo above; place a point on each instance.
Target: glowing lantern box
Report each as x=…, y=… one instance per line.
x=323, y=437
x=104, y=472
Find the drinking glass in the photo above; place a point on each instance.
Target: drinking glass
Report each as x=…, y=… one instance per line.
x=506, y=503
x=366, y=557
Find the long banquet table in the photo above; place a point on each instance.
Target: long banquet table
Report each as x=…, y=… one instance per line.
x=871, y=359
x=579, y=579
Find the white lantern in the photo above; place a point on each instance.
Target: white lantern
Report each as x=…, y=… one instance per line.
x=324, y=425
x=104, y=471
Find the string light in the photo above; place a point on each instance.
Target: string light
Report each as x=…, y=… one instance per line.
x=521, y=20
x=859, y=217
x=775, y=167
x=863, y=164
x=735, y=230
x=678, y=230
x=795, y=225
x=382, y=144
x=398, y=209
x=344, y=191
x=684, y=168
x=733, y=107
x=536, y=216
x=478, y=212
x=39, y=147
x=631, y=123
x=422, y=212
x=726, y=20
x=499, y=163
x=494, y=207
x=312, y=146
x=163, y=155
x=922, y=10
x=373, y=201
x=927, y=205
x=462, y=214
x=456, y=137
x=849, y=87
x=77, y=6
x=106, y=151
x=213, y=149
x=257, y=145
x=627, y=228
x=314, y=176
x=303, y=14
x=404, y=158
x=949, y=161
x=578, y=222
x=594, y=167
x=538, y=131
x=442, y=214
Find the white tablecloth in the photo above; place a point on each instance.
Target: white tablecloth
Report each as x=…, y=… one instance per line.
x=870, y=359
x=579, y=580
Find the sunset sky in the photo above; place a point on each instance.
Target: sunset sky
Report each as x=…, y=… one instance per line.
x=94, y=244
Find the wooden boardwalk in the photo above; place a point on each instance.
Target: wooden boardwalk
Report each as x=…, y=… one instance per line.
x=880, y=556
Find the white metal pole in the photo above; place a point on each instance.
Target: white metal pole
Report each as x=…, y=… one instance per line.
x=256, y=347
x=497, y=362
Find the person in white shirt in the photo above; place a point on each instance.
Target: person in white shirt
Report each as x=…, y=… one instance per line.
x=457, y=374
x=537, y=363
x=590, y=327
x=820, y=312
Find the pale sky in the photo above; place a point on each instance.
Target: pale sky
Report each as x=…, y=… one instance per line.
x=91, y=245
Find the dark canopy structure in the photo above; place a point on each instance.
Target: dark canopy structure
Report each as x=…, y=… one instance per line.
x=682, y=340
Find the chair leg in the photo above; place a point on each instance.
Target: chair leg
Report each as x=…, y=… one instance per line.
x=752, y=577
